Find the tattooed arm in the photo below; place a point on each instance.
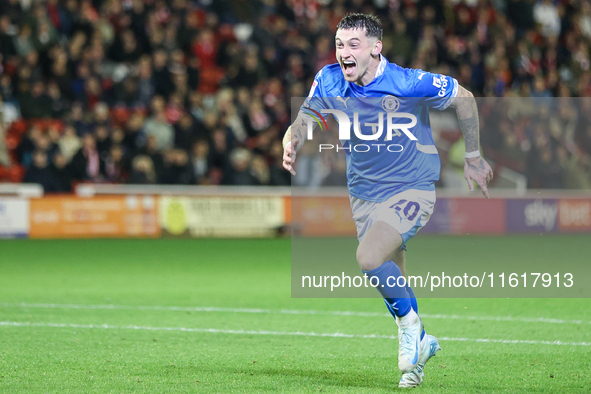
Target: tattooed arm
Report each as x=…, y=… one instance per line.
x=476, y=168
x=292, y=141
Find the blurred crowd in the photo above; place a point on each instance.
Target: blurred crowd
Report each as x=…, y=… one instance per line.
x=199, y=92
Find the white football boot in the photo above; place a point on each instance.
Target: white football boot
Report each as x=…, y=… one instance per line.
x=410, y=328
x=429, y=346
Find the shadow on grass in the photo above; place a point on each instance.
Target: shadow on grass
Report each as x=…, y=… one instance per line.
x=331, y=378
x=307, y=378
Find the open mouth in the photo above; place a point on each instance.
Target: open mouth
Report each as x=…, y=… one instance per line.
x=349, y=67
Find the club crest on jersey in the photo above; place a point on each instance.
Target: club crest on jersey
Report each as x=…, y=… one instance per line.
x=390, y=104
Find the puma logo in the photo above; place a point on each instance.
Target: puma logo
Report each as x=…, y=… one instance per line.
x=343, y=100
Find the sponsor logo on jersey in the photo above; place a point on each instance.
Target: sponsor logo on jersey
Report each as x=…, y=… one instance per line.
x=440, y=82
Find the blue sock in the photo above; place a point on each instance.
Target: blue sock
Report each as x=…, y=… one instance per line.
x=413, y=299
x=397, y=298
x=413, y=302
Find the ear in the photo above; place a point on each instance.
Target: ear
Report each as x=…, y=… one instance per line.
x=377, y=48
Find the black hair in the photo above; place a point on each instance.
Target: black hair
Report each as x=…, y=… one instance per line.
x=371, y=24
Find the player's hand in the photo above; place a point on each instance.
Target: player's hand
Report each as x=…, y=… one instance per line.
x=477, y=169
x=289, y=156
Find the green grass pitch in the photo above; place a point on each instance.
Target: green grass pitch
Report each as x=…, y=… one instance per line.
x=215, y=316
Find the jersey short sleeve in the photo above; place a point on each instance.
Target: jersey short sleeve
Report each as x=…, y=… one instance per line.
x=438, y=90
x=316, y=97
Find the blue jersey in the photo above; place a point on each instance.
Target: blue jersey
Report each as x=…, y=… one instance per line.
x=400, y=162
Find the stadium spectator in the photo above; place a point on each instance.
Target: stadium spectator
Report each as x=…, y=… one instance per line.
x=221, y=151
x=115, y=165
x=240, y=174
x=187, y=130
x=157, y=158
x=35, y=104
x=142, y=171
x=103, y=140
x=277, y=174
x=575, y=171
x=59, y=104
x=177, y=168
x=135, y=136
x=40, y=172
x=63, y=172
x=86, y=163
x=69, y=143
x=8, y=109
x=161, y=77
x=23, y=42
x=260, y=170
x=546, y=14
x=158, y=127
x=4, y=158
x=25, y=148
x=201, y=161
x=7, y=47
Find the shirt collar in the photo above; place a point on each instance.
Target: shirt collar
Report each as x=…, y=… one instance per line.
x=381, y=66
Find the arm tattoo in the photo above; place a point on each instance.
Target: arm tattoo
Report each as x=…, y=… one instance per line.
x=467, y=112
x=476, y=164
x=299, y=129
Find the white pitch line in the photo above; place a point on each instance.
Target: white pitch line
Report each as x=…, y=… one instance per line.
x=289, y=312
x=279, y=333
